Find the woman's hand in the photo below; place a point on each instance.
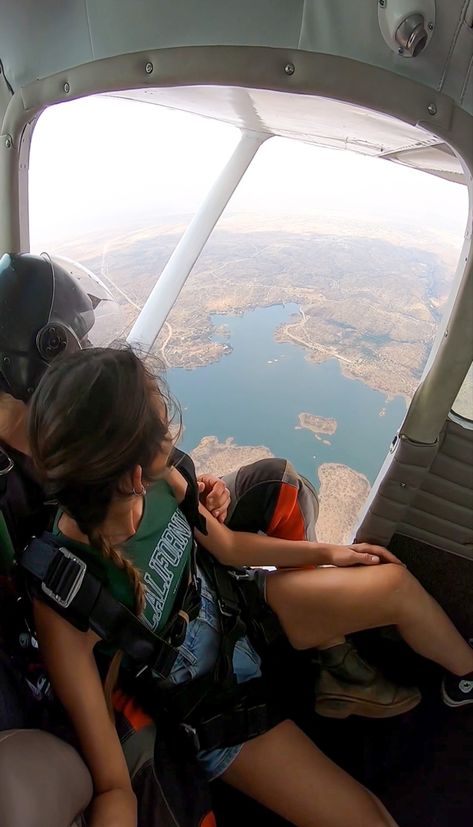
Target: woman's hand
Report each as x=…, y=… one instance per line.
x=360, y=554
x=214, y=494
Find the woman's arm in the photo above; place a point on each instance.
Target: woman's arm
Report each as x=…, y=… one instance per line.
x=69, y=658
x=242, y=548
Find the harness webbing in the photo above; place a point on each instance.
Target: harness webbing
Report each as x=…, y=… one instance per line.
x=62, y=580
x=214, y=710
x=7, y=552
x=58, y=576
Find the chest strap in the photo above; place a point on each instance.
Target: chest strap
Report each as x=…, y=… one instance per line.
x=61, y=579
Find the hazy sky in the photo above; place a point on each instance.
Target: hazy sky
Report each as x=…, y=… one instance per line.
x=102, y=162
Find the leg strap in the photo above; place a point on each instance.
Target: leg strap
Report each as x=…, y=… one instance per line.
x=235, y=718
x=262, y=624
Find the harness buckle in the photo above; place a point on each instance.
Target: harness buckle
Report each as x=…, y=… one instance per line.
x=240, y=574
x=191, y=736
x=222, y=607
x=179, y=629
x=6, y=463
x=64, y=578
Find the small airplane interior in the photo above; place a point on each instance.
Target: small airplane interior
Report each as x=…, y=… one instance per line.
x=392, y=79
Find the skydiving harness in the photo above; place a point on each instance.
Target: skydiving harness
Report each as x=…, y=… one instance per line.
x=208, y=712
x=61, y=579
x=213, y=710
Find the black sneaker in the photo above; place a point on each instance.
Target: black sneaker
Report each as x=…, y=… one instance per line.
x=457, y=691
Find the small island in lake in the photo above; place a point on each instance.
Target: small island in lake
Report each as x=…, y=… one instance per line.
x=317, y=424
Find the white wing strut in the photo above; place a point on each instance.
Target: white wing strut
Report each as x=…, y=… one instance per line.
x=172, y=279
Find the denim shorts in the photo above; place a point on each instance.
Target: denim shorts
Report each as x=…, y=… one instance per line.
x=197, y=657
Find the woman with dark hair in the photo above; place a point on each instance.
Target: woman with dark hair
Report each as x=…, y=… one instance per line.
x=99, y=431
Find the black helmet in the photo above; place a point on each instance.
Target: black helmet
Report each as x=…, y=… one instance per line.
x=44, y=311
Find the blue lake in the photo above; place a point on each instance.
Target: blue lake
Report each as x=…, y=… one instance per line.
x=255, y=395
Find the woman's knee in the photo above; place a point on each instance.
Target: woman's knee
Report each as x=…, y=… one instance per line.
x=396, y=584
x=380, y=820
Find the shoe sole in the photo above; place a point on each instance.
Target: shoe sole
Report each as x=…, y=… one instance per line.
x=448, y=701
x=341, y=708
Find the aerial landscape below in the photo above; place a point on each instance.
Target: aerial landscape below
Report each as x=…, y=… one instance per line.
x=365, y=298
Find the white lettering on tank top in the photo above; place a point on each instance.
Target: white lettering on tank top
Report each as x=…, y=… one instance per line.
x=163, y=564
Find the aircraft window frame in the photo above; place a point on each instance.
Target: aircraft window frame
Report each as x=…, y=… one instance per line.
x=460, y=416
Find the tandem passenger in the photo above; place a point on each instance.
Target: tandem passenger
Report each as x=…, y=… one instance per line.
x=45, y=313
x=110, y=467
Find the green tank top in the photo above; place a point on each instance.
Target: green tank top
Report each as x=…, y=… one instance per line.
x=161, y=549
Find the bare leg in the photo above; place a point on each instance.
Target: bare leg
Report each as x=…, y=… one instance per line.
x=317, y=605
x=285, y=772
x=329, y=644
x=270, y=496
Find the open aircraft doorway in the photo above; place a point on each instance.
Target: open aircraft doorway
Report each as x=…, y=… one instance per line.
x=306, y=323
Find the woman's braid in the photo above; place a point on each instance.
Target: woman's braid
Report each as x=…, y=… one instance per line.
x=112, y=553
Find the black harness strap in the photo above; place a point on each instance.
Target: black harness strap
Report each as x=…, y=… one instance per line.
x=190, y=504
x=206, y=716
x=183, y=701
x=238, y=593
x=214, y=710
x=59, y=577
x=62, y=580
x=232, y=717
x=263, y=626
x=232, y=624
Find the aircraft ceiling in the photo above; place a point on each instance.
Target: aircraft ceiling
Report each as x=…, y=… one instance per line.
x=40, y=40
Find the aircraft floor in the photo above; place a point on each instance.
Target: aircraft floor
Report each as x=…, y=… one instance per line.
x=420, y=764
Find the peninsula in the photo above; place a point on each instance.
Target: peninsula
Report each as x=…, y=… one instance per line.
x=213, y=457
x=342, y=494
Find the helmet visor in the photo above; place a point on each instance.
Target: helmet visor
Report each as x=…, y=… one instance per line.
x=91, y=313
